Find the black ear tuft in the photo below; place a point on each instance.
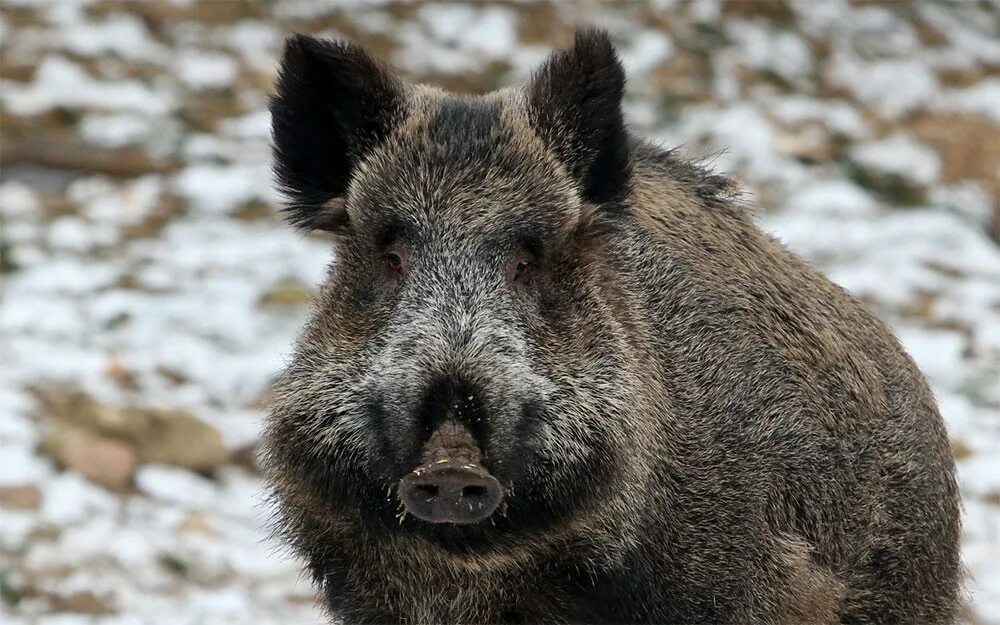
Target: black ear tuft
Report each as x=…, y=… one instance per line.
x=333, y=103
x=574, y=104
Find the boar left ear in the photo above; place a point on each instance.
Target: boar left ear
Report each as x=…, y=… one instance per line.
x=574, y=104
x=333, y=104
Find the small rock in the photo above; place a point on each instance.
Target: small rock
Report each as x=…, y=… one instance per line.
x=960, y=450
x=101, y=460
x=157, y=435
x=253, y=210
x=83, y=602
x=811, y=144
x=969, y=146
x=116, y=370
x=74, y=155
x=181, y=439
x=196, y=524
x=246, y=456
x=26, y=497
x=287, y=293
x=173, y=376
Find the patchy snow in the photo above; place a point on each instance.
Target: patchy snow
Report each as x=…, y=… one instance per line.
x=147, y=289
x=19, y=465
x=982, y=98
x=175, y=485
x=115, y=130
x=782, y=52
x=968, y=199
x=254, y=41
x=833, y=198
x=124, y=36
x=60, y=82
x=970, y=31
x=890, y=86
x=17, y=200
x=104, y=201
x=647, y=50
x=218, y=188
x=70, y=499
x=739, y=138
x=206, y=70
x=899, y=155
x=485, y=30
x=250, y=126
x=840, y=117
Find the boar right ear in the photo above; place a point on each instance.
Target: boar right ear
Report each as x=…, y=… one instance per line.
x=333, y=104
x=574, y=104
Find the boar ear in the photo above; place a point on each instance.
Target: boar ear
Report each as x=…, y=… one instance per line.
x=333, y=104
x=574, y=104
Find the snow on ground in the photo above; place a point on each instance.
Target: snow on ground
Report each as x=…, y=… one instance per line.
x=147, y=286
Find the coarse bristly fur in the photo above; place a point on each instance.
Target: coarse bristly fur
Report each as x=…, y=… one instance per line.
x=690, y=424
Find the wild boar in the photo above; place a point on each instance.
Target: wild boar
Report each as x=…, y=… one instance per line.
x=556, y=374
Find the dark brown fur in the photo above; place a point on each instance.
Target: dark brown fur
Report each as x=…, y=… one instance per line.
x=691, y=424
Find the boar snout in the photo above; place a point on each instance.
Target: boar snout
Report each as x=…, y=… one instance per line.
x=450, y=485
x=450, y=493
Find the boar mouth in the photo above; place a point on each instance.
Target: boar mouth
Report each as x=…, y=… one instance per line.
x=450, y=485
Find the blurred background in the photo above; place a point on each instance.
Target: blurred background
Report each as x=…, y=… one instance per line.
x=149, y=295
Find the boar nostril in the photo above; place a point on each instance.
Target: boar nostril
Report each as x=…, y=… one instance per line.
x=474, y=491
x=426, y=490
x=448, y=492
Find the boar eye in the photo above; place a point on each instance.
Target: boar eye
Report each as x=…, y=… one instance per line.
x=394, y=261
x=521, y=269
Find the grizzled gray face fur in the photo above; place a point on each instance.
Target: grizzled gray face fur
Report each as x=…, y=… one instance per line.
x=463, y=287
